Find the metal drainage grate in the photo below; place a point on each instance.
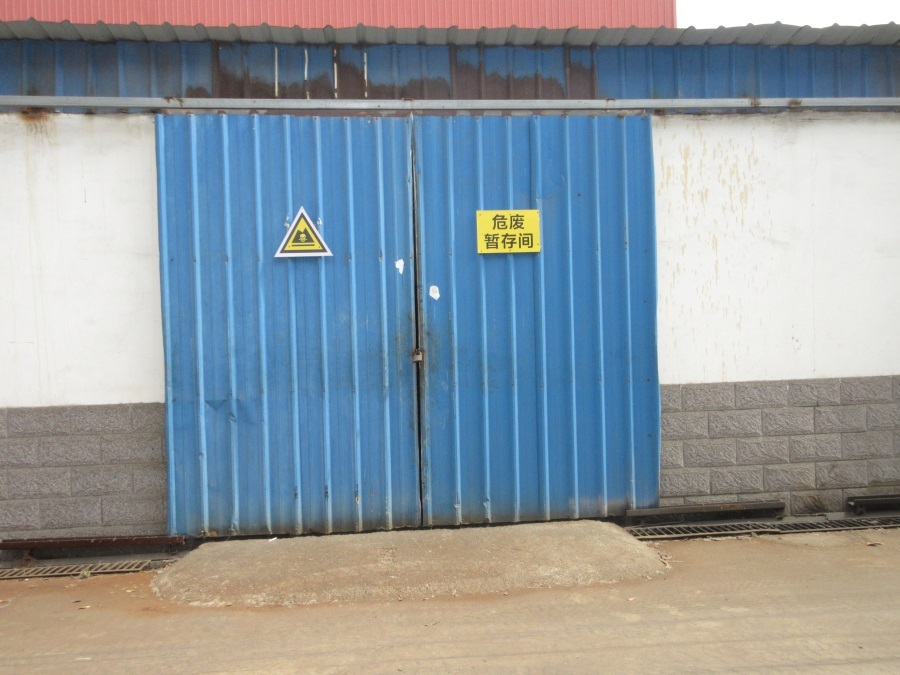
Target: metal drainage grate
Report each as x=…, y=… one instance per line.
x=37, y=572
x=734, y=529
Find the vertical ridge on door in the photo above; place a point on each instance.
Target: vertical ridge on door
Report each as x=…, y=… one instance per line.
x=514, y=352
x=198, y=329
x=485, y=398
x=643, y=291
x=262, y=326
x=328, y=491
x=540, y=289
x=596, y=463
x=295, y=365
x=385, y=346
x=570, y=288
x=228, y=223
x=354, y=336
x=454, y=330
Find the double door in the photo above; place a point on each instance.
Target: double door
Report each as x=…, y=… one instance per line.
x=406, y=380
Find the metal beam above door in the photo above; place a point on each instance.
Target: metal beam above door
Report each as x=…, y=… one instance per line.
x=584, y=106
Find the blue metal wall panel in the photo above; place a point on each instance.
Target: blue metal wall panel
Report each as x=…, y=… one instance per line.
x=205, y=69
x=291, y=396
x=540, y=396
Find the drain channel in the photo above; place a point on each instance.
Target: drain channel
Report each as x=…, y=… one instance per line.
x=40, y=571
x=733, y=529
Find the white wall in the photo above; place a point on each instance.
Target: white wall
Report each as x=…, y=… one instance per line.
x=779, y=246
x=778, y=243
x=80, y=316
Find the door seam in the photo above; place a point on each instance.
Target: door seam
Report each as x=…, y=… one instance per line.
x=418, y=318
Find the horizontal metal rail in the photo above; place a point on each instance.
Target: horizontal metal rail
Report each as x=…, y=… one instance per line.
x=666, y=105
x=694, y=530
x=706, y=508
x=89, y=542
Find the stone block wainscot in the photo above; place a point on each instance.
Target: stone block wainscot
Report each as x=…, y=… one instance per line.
x=101, y=470
x=82, y=471
x=809, y=443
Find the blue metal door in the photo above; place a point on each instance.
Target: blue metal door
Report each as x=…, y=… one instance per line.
x=540, y=394
x=294, y=403
x=290, y=391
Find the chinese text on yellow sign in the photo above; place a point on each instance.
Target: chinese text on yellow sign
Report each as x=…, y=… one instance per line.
x=508, y=231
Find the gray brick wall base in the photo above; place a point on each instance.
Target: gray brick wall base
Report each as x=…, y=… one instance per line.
x=82, y=471
x=101, y=470
x=809, y=443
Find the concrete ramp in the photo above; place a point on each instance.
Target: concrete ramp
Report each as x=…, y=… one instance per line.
x=406, y=565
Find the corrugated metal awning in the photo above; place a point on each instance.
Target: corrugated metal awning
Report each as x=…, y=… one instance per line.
x=771, y=34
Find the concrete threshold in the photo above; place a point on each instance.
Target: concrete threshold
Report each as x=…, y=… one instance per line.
x=406, y=565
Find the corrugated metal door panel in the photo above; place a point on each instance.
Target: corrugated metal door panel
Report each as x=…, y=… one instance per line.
x=290, y=389
x=540, y=395
x=640, y=243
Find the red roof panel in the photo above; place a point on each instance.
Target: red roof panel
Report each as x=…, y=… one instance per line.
x=346, y=13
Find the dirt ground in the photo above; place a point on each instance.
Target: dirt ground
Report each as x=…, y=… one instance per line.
x=816, y=602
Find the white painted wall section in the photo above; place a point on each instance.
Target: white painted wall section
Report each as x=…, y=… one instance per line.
x=778, y=246
x=80, y=313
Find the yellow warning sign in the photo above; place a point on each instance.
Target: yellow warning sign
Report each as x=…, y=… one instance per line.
x=302, y=239
x=508, y=231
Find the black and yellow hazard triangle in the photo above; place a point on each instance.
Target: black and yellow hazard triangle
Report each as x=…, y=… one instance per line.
x=302, y=239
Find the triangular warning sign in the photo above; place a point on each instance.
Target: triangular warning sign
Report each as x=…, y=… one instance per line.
x=302, y=239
